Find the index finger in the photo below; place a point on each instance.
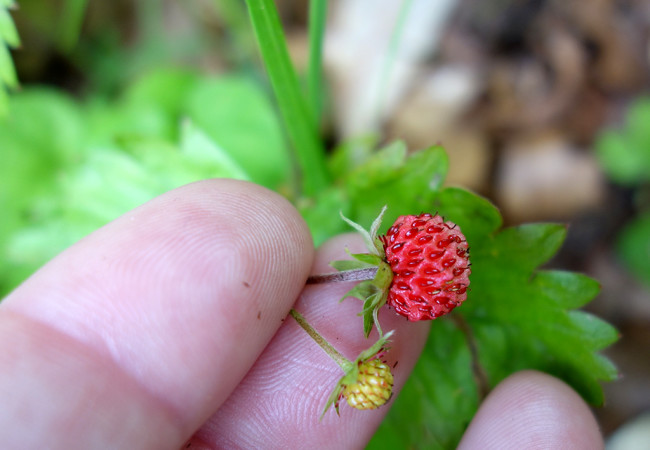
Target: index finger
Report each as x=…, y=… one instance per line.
x=156, y=316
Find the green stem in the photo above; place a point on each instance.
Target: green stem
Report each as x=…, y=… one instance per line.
x=298, y=120
x=317, y=19
x=70, y=23
x=341, y=360
x=389, y=60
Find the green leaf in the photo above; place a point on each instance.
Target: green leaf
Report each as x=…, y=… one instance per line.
x=8, y=32
x=8, y=76
x=41, y=138
x=8, y=38
x=166, y=88
x=625, y=154
x=567, y=289
x=520, y=319
x=205, y=156
x=475, y=215
x=439, y=399
x=515, y=318
x=526, y=246
x=405, y=185
x=322, y=213
x=634, y=247
x=236, y=114
x=350, y=154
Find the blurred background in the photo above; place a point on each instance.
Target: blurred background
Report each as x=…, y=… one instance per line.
x=542, y=105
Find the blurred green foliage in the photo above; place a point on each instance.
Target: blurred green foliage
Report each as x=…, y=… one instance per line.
x=8, y=39
x=70, y=166
x=625, y=156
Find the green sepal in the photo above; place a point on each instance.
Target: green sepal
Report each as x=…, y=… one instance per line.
x=370, y=260
x=352, y=371
x=372, y=303
x=348, y=264
x=362, y=291
x=370, y=238
x=373, y=293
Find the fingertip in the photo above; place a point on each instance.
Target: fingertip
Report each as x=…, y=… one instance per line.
x=181, y=294
x=533, y=410
x=280, y=401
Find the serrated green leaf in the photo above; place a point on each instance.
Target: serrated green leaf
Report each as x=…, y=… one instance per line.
x=407, y=188
x=593, y=331
x=475, y=215
x=529, y=245
x=8, y=38
x=378, y=168
x=516, y=318
x=8, y=32
x=7, y=72
x=568, y=289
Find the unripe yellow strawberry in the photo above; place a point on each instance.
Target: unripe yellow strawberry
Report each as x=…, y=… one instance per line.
x=373, y=387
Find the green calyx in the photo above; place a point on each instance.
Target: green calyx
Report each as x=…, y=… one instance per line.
x=350, y=368
x=352, y=371
x=373, y=293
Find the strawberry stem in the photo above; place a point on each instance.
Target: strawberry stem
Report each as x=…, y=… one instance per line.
x=341, y=360
x=345, y=275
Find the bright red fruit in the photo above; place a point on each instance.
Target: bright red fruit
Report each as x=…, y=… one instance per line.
x=430, y=262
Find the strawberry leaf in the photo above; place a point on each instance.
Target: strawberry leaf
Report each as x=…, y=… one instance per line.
x=439, y=399
x=516, y=317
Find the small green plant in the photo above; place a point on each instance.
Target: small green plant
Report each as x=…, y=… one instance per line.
x=625, y=156
x=73, y=165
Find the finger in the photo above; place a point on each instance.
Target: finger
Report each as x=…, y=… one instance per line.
x=279, y=403
x=162, y=311
x=533, y=410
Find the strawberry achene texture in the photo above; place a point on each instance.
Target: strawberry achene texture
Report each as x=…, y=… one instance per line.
x=373, y=388
x=430, y=262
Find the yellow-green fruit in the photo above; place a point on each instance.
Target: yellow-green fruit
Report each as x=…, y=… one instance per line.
x=373, y=387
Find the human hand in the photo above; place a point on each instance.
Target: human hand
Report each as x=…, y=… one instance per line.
x=172, y=319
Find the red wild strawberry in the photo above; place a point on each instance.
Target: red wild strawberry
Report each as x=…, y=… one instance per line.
x=429, y=259
x=420, y=267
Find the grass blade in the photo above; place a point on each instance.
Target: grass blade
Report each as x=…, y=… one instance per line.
x=293, y=107
x=317, y=20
